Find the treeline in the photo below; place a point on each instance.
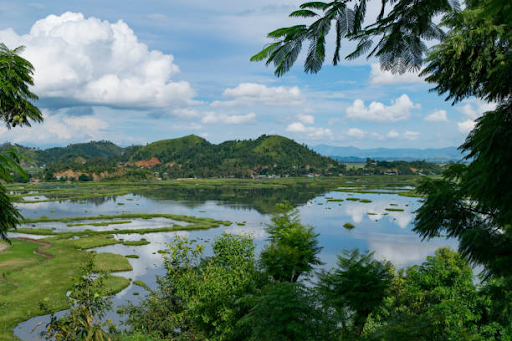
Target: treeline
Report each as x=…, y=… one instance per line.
x=374, y=167
x=233, y=294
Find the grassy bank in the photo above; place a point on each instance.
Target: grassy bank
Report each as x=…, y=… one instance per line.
x=28, y=278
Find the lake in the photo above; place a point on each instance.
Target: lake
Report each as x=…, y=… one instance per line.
x=380, y=226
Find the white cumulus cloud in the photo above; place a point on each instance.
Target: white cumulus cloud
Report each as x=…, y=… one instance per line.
x=312, y=132
x=466, y=126
x=393, y=134
x=59, y=128
x=437, y=116
x=212, y=117
x=95, y=62
x=407, y=135
x=399, y=110
x=356, y=133
x=473, y=109
x=379, y=77
x=306, y=119
x=254, y=93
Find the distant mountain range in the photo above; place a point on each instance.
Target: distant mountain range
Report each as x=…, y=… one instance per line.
x=353, y=154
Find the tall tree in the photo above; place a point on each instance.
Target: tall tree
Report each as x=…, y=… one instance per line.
x=293, y=248
x=16, y=109
x=474, y=58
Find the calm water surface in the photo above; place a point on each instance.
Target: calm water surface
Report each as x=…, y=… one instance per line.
x=386, y=233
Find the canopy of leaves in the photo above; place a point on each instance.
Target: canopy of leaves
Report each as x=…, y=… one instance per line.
x=293, y=248
x=400, y=35
x=16, y=106
x=9, y=215
x=358, y=285
x=474, y=203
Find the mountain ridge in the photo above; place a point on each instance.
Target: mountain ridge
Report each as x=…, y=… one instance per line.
x=354, y=154
x=189, y=156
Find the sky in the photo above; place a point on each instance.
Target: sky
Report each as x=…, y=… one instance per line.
x=135, y=72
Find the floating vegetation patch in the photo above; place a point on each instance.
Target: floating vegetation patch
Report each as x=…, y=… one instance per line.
x=366, y=201
x=335, y=200
x=353, y=199
x=136, y=242
x=349, y=226
x=132, y=256
x=141, y=284
x=103, y=223
x=394, y=209
x=371, y=213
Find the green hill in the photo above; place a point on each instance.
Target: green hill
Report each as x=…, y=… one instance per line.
x=188, y=156
x=100, y=149
x=95, y=151
x=193, y=156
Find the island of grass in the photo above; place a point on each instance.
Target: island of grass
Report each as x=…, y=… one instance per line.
x=103, y=223
x=136, y=242
x=349, y=226
x=141, y=284
x=394, y=209
x=335, y=200
x=353, y=199
x=194, y=223
x=365, y=201
x=29, y=278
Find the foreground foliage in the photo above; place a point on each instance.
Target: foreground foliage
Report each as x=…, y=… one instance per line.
x=88, y=307
x=16, y=109
x=230, y=295
x=473, y=59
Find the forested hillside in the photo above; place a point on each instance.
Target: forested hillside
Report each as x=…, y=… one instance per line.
x=73, y=153
x=191, y=156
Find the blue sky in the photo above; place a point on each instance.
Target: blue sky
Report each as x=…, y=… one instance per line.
x=134, y=72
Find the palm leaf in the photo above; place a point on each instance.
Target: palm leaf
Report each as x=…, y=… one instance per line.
x=315, y=5
x=303, y=13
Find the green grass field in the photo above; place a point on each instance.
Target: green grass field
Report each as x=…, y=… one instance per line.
x=27, y=278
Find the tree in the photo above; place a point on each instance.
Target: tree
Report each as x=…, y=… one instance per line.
x=356, y=288
x=89, y=305
x=201, y=297
x=15, y=109
x=9, y=215
x=400, y=34
x=293, y=248
x=284, y=312
x=474, y=58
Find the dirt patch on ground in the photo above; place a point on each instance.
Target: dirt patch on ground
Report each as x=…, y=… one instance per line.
x=3, y=246
x=148, y=163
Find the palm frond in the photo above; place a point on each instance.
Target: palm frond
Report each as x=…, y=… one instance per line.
x=315, y=5
x=303, y=13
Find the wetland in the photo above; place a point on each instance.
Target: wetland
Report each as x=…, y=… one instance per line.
x=368, y=213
